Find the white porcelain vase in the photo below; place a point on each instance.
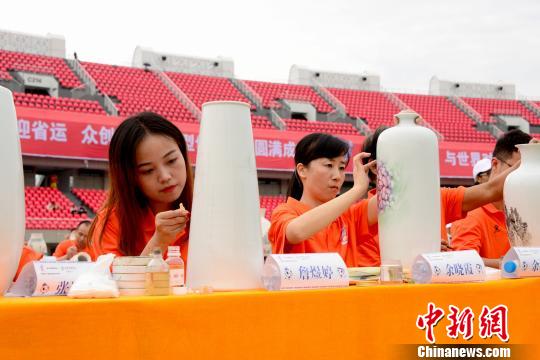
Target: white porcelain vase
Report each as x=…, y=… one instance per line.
x=225, y=245
x=408, y=191
x=12, y=217
x=522, y=199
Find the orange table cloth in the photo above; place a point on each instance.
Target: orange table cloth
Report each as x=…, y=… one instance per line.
x=350, y=323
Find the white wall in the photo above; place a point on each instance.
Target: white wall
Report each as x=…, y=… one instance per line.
x=304, y=76
x=475, y=90
x=221, y=67
x=48, y=45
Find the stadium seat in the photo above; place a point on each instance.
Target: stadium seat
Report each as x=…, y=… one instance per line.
x=270, y=92
x=39, y=217
x=63, y=104
x=10, y=60
x=488, y=107
x=269, y=202
x=446, y=118
x=321, y=126
x=372, y=106
x=137, y=90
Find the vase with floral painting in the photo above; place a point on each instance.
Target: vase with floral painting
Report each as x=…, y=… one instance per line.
x=408, y=191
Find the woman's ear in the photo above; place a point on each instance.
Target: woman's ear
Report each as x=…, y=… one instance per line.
x=301, y=170
x=495, y=164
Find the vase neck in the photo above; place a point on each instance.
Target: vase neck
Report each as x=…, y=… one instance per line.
x=530, y=153
x=406, y=118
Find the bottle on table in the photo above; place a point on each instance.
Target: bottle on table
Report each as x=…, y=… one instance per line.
x=157, y=275
x=176, y=271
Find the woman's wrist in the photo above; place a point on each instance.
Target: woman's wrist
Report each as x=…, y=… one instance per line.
x=151, y=245
x=358, y=192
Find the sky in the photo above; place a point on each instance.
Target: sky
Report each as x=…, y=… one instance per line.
x=404, y=42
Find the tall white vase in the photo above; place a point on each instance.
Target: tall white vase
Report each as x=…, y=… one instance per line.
x=408, y=191
x=225, y=247
x=12, y=221
x=522, y=199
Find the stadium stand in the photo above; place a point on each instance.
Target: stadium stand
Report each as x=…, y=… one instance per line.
x=270, y=202
x=320, y=126
x=372, y=106
x=137, y=90
x=446, y=118
x=57, y=67
x=38, y=216
x=201, y=89
x=92, y=198
x=261, y=122
x=270, y=92
x=52, y=103
x=488, y=107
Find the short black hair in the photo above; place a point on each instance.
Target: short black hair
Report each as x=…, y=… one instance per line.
x=370, y=144
x=506, y=145
x=311, y=147
x=87, y=222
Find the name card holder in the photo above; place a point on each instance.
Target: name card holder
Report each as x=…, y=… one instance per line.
x=448, y=267
x=47, y=278
x=304, y=271
x=521, y=262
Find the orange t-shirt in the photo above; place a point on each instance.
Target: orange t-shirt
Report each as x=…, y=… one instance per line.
x=451, y=210
x=28, y=255
x=451, y=207
x=110, y=236
x=340, y=236
x=62, y=248
x=483, y=230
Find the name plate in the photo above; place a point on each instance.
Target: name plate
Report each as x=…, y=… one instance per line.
x=448, y=267
x=521, y=262
x=304, y=271
x=47, y=278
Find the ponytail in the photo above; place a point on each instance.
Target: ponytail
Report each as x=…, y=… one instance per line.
x=295, y=187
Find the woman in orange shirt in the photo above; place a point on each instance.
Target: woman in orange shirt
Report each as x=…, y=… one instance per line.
x=151, y=189
x=315, y=218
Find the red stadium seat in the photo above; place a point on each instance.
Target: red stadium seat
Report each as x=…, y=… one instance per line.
x=488, y=107
x=270, y=92
x=138, y=90
x=39, y=217
x=446, y=118
x=57, y=67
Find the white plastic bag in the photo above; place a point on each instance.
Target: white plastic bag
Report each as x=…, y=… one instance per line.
x=97, y=282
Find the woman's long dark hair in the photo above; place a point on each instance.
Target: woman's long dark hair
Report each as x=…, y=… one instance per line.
x=125, y=197
x=312, y=147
